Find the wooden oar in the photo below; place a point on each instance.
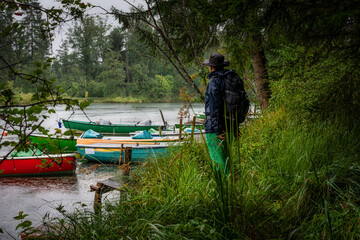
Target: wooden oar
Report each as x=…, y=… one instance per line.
x=162, y=116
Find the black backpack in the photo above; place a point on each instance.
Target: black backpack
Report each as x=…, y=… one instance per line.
x=236, y=99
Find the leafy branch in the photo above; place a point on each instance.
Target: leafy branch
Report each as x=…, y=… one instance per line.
x=23, y=119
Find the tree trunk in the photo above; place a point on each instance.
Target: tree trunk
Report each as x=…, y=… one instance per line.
x=263, y=92
x=127, y=71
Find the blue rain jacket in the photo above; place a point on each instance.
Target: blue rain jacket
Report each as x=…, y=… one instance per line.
x=214, y=103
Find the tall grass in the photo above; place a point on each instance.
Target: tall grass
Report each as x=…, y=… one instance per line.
x=309, y=173
x=287, y=181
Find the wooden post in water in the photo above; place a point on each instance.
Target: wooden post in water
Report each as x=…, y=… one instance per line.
x=180, y=129
x=163, y=119
x=103, y=187
x=126, y=167
x=121, y=151
x=128, y=152
x=193, y=128
x=98, y=196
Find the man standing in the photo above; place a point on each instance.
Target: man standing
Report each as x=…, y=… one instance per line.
x=215, y=128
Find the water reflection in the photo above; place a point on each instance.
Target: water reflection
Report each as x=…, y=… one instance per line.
x=37, y=196
x=40, y=183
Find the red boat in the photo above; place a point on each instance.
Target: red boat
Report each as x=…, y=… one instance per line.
x=58, y=164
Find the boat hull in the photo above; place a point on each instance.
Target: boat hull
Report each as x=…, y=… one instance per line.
x=38, y=165
x=113, y=128
x=111, y=154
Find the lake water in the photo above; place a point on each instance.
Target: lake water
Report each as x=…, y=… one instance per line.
x=37, y=196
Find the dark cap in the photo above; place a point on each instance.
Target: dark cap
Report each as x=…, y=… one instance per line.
x=215, y=60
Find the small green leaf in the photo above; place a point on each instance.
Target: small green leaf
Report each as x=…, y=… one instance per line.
x=84, y=104
x=24, y=224
x=50, y=59
x=60, y=209
x=21, y=216
x=68, y=133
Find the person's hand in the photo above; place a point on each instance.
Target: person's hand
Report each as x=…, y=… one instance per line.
x=222, y=136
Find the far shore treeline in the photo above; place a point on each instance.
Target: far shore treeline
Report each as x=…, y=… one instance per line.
x=95, y=61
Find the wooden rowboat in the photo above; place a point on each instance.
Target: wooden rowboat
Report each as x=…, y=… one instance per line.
x=58, y=164
x=108, y=128
x=113, y=150
x=126, y=140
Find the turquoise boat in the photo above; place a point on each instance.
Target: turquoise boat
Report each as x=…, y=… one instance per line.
x=110, y=153
x=108, y=150
x=106, y=128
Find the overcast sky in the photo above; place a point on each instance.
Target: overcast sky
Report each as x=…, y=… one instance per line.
x=60, y=34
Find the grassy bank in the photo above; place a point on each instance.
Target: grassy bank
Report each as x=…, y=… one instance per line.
x=297, y=181
x=25, y=98
x=129, y=100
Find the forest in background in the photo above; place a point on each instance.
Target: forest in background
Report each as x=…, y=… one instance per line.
x=96, y=60
x=281, y=47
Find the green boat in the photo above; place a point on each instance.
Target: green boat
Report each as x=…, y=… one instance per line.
x=198, y=125
x=106, y=128
x=54, y=144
